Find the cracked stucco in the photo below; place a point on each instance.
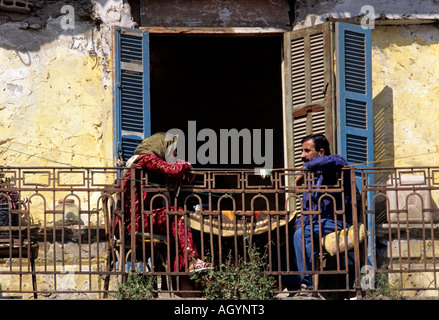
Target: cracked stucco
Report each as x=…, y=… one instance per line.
x=56, y=86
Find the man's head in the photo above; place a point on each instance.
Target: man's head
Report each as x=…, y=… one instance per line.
x=314, y=145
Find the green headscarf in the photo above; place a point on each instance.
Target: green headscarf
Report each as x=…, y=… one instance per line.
x=157, y=145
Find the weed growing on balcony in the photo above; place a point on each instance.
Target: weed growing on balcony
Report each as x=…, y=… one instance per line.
x=384, y=287
x=244, y=280
x=138, y=287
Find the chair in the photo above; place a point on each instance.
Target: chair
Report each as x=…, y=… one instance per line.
x=16, y=242
x=331, y=249
x=119, y=245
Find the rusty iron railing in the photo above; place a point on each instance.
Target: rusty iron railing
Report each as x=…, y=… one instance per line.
x=54, y=243
x=400, y=205
x=62, y=241
x=228, y=211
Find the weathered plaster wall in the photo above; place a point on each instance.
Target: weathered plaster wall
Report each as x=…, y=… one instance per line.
x=56, y=109
x=310, y=12
x=71, y=277
x=56, y=85
x=56, y=101
x=405, y=73
x=405, y=64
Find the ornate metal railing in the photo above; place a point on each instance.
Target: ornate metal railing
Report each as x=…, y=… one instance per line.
x=65, y=230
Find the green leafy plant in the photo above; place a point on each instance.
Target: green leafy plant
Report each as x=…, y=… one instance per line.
x=244, y=280
x=138, y=286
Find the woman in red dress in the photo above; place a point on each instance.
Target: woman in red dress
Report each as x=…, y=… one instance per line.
x=150, y=156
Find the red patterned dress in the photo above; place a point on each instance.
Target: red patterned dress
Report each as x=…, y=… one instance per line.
x=157, y=169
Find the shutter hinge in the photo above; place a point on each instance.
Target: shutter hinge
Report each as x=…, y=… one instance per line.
x=120, y=162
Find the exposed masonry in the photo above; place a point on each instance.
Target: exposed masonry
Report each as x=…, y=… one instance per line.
x=91, y=35
x=312, y=12
x=15, y=5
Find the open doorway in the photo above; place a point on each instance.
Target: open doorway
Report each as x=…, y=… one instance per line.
x=220, y=82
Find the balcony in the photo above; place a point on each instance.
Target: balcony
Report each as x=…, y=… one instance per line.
x=65, y=235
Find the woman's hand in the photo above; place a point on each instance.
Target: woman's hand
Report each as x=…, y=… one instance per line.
x=189, y=176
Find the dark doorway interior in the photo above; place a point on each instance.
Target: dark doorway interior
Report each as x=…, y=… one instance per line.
x=219, y=82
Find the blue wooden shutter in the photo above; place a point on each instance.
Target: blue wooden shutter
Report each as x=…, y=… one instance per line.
x=354, y=94
x=354, y=106
x=132, y=116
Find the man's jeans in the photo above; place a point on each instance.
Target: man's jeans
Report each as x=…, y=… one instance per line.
x=328, y=226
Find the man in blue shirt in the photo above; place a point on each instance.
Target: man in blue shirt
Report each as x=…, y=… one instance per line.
x=326, y=169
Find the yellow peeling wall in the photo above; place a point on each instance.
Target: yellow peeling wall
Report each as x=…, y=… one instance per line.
x=405, y=73
x=55, y=108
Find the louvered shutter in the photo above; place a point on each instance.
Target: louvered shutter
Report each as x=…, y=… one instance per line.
x=354, y=94
x=354, y=106
x=132, y=100
x=308, y=87
x=307, y=120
